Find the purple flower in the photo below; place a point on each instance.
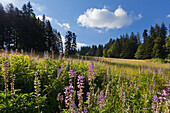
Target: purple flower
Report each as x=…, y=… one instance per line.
x=72, y=74
x=155, y=104
x=85, y=110
x=80, y=83
x=91, y=73
x=101, y=98
x=66, y=96
x=144, y=110
x=159, y=93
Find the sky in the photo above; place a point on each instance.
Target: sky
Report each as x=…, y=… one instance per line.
x=96, y=21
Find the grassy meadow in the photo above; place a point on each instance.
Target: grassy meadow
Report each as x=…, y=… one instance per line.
x=45, y=83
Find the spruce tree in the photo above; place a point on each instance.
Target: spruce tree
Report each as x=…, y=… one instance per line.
x=73, y=45
x=68, y=39
x=145, y=35
x=140, y=52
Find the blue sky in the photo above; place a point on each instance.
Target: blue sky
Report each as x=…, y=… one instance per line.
x=96, y=21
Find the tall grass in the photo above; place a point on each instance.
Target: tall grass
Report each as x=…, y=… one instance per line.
x=46, y=84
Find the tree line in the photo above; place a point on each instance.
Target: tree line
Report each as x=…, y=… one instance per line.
x=21, y=29
x=155, y=44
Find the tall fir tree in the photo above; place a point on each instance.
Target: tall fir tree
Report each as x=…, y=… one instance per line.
x=74, y=45
x=68, y=39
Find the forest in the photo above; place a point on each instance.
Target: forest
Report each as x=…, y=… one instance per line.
x=21, y=29
x=155, y=44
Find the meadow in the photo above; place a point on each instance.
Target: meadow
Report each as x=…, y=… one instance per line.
x=33, y=84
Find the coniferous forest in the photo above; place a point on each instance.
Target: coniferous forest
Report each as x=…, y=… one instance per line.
x=20, y=29
x=155, y=44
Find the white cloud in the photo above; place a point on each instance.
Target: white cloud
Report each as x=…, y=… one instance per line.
x=38, y=7
x=46, y=18
x=79, y=45
x=103, y=18
x=168, y=16
x=66, y=26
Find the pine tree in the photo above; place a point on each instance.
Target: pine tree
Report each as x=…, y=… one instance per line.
x=114, y=50
x=74, y=45
x=148, y=45
x=140, y=52
x=167, y=46
x=145, y=35
x=106, y=47
x=99, y=52
x=68, y=39
x=2, y=26
x=157, y=49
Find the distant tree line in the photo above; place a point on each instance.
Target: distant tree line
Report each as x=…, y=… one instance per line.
x=20, y=29
x=155, y=44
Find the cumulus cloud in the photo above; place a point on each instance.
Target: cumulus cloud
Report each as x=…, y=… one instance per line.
x=168, y=16
x=66, y=26
x=46, y=18
x=103, y=18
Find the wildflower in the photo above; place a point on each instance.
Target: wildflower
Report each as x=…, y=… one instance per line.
x=101, y=99
x=60, y=100
x=69, y=95
x=12, y=85
x=80, y=83
x=144, y=110
x=155, y=104
x=66, y=96
x=5, y=75
x=72, y=74
x=37, y=89
x=85, y=110
x=155, y=71
x=22, y=51
x=91, y=73
x=120, y=94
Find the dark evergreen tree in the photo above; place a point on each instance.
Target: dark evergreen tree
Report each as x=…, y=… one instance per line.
x=99, y=52
x=140, y=52
x=145, y=35
x=133, y=45
x=74, y=45
x=148, y=45
x=84, y=50
x=106, y=48
x=92, y=51
x=167, y=46
x=68, y=39
x=2, y=26
x=114, y=50
x=158, y=49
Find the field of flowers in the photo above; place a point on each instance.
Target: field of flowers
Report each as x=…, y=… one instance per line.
x=32, y=85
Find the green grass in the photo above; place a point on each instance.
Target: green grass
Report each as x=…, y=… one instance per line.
x=123, y=85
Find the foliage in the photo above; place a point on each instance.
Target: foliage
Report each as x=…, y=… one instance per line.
x=48, y=85
x=21, y=29
x=154, y=45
